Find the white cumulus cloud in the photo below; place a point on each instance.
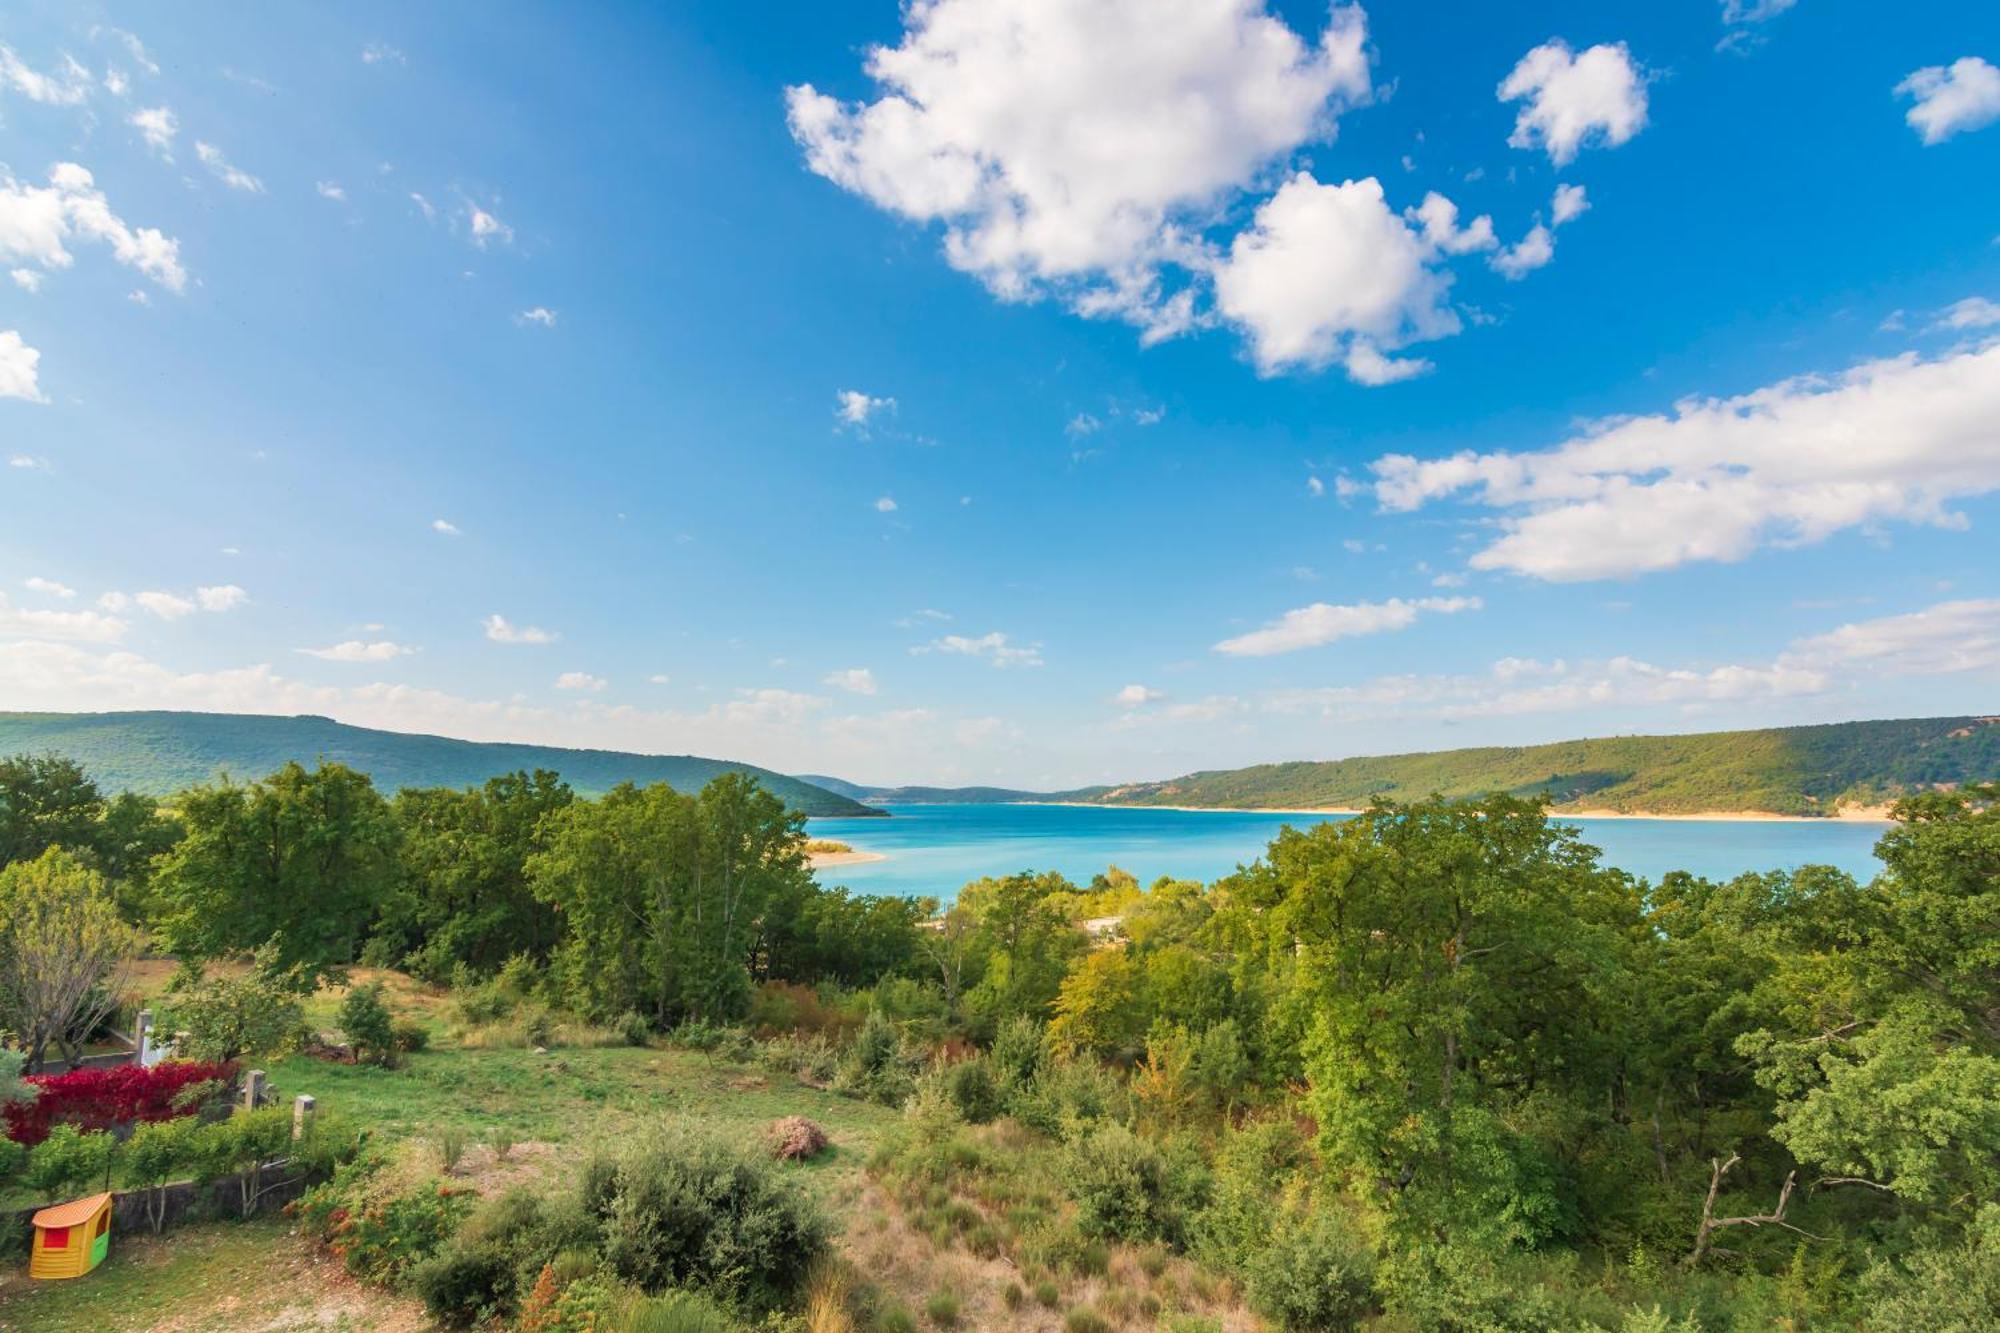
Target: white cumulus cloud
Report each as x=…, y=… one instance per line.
x=855, y=680
x=540, y=314
x=20, y=370
x=223, y=597
x=29, y=622
x=157, y=126
x=1136, y=696
x=1974, y=312
x=1716, y=478
x=1572, y=101
x=581, y=680
x=1323, y=623
x=39, y=223
x=1951, y=99
x=855, y=408
x=1331, y=273
x=69, y=87
x=500, y=630
x=48, y=587
x=1077, y=149
x=995, y=647
x=486, y=228
x=357, y=650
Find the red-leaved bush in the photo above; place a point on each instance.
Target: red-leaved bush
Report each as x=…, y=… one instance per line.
x=106, y=1098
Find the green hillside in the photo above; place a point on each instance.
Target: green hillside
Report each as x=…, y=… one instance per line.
x=1781, y=770
x=944, y=795
x=158, y=753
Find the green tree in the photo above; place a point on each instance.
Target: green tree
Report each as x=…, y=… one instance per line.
x=158, y=1152
x=223, y=1016
x=662, y=895
x=304, y=856
x=63, y=953
x=1457, y=966
x=367, y=1025
x=463, y=894
x=1100, y=1006
x=1884, y=1052
x=46, y=801
x=1024, y=942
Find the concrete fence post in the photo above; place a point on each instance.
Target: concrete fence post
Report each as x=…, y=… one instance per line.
x=302, y=1114
x=253, y=1089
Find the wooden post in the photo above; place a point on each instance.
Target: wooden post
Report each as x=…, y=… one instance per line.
x=142, y=1039
x=253, y=1089
x=302, y=1114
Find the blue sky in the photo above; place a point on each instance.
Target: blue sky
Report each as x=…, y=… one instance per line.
x=994, y=391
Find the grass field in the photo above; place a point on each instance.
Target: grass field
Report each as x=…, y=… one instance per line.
x=545, y=1110
x=249, y=1275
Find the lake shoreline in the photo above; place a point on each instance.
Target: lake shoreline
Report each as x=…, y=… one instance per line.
x=1873, y=814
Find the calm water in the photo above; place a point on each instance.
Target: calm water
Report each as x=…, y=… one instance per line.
x=933, y=849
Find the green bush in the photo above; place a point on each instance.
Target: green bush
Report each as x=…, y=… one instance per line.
x=684, y=1208
x=379, y=1235
x=1069, y=1090
x=941, y=1308
x=972, y=1089
x=464, y=1285
x=879, y=1066
x=408, y=1036
x=365, y=1020
x=1315, y=1274
x=1119, y=1182
x=70, y=1161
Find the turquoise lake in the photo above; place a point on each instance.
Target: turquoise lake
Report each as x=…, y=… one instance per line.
x=934, y=849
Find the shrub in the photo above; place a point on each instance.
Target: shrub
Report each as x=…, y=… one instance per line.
x=1119, y=1182
x=70, y=1161
x=365, y=1020
x=108, y=1098
x=972, y=1089
x=941, y=1308
x=1315, y=1274
x=464, y=1285
x=1083, y=1319
x=407, y=1036
x=684, y=1208
x=634, y=1028
x=224, y=1018
x=795, y=1139
x=450, y=1149
x=1048, y=1294
x=1065, y=1090
x=379, y=1235
x=879, y=1066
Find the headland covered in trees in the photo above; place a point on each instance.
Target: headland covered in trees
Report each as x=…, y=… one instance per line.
x=157, y=753
x=1432, y=1068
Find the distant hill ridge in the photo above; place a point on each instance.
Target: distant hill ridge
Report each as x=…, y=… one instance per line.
x=162, y=752
x=1811, y=770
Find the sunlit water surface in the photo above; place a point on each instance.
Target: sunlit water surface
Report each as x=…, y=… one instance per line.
x=933, y=849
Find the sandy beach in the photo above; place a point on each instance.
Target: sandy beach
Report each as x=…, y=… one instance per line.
x=822, y=860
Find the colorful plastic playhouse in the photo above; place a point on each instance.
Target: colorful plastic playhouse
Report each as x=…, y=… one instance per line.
x=71, y=1238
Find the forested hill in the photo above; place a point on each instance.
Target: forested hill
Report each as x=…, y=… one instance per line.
x=159, y=753
x=1781, y=770
x=945, y=795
